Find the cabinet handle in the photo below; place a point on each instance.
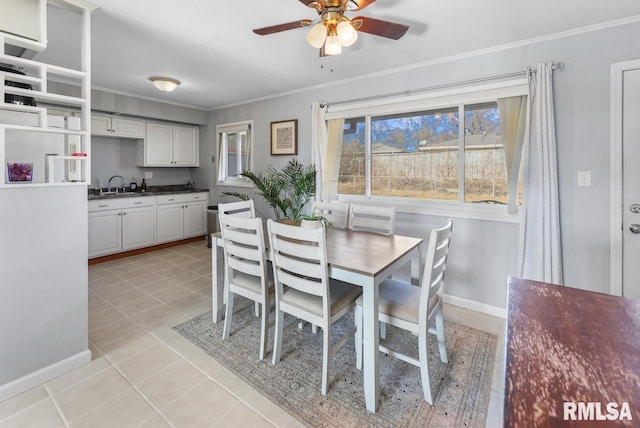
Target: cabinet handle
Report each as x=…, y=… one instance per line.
x=137, y=203
x=172, y=199
x=124, y=213
x=196, y=197
x=119, y=213
x=103, y=206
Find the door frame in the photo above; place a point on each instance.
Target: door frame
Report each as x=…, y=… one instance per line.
x=615, y=264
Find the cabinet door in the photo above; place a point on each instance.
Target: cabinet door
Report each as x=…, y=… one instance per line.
x=105, y=233
x=185, y=146
x=138, y=228
x=158, y=145
x=127, y=128
x=195, y=219
x=101, y=124
x=170, y=222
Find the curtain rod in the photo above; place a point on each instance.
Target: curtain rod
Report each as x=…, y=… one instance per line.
x=526, y=72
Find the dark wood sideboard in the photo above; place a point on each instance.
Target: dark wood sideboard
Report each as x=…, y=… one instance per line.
x=572, y=357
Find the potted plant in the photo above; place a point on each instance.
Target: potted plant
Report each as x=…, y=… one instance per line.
x=287, y=191
x=313, y=221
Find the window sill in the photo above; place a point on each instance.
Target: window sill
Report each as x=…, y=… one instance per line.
x=454, y=209
x=235, y=183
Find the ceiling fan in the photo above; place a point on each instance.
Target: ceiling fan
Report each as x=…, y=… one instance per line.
x=333, y=30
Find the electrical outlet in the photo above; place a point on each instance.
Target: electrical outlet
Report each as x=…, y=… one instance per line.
x=148, y=174
x=584, y=178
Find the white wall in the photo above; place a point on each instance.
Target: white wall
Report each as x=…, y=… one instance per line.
x=483, y=252
x=43, y=284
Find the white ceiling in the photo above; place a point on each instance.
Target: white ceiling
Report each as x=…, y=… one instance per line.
x=210, y=47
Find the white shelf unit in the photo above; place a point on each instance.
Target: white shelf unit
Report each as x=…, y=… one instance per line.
x=19, y=123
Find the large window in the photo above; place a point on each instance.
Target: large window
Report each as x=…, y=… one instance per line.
x=234, y=153
x=453, y=152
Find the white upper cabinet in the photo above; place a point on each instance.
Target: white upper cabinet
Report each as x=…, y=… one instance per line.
x=169, y=145
x=117, y=126
x=185, y=146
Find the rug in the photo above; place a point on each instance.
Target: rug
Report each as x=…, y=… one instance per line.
x=461, y=388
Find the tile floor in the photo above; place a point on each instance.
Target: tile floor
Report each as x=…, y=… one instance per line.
x=143, y=374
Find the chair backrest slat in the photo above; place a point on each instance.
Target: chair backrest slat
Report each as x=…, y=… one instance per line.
x=434, y=268
x=372, y=219
x=238, y=209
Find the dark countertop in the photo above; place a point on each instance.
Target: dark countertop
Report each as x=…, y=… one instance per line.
x=151, y=191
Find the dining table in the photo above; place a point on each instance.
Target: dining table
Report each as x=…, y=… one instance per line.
x=361, y=258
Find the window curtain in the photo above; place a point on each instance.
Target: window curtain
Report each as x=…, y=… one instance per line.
x=326, y=137
x=540, y=243
x=335, y=131
x=513, y=117
x=319, y=143
x=222, y=156
x=247, y=150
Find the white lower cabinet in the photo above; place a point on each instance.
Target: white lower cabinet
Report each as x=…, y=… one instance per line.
x=122, y=224
x=105, y=233
x=117, y=225
x=181, y=216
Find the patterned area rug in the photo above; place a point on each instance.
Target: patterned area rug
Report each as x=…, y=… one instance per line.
x=461, y=387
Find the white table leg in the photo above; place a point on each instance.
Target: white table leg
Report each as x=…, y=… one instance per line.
x=370, y=345
x=216, y=287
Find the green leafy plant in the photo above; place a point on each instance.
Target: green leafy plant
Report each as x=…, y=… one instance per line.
x=287, y=191
x=313, y=217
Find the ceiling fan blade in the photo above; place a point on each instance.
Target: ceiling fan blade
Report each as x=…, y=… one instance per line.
x=314, y=4
x=355, y=5
x=377, y=27
x=282, y=27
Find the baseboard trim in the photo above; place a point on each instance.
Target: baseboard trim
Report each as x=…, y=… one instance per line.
x=475, y=306
x=130, y=253
x=43, y=375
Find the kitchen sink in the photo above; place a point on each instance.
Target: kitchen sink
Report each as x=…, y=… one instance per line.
x=113, y=194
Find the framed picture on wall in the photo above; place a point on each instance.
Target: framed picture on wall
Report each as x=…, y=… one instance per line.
x=284, y=137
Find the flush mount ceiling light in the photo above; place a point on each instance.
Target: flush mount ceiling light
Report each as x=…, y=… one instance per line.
x=165, y=84
x=333, y=30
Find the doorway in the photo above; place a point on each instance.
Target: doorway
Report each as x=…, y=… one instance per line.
x=625, y=179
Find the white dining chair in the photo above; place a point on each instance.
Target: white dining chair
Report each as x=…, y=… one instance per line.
x=414, y=308
x=372, y=218
x=245, y=208
x=336, y=213
x=303, y=287
x=246, y=272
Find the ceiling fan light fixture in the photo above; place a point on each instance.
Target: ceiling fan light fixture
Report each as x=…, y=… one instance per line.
x=346, y=33
x=164, y=84
x=332, y=46
x=317, y=35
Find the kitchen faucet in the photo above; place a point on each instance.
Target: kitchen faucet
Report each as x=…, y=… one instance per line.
x=109, y=184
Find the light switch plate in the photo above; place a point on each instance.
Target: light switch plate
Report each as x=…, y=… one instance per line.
x=584, y=178
x=148, y=174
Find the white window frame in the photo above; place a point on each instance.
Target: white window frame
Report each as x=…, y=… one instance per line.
x=431, y=101
x=222, y=153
